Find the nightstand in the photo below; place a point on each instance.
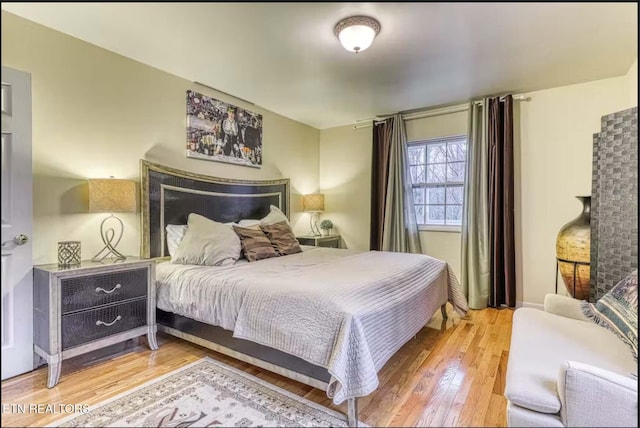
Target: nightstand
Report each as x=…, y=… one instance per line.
x=90, y=306
x=330, y=241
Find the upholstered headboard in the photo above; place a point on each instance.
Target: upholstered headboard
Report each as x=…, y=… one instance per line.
x=614, y=202
x=169, y=195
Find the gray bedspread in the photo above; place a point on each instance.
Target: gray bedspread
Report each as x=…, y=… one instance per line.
x=344, y=310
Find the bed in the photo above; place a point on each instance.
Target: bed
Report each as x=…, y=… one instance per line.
x=329, y=318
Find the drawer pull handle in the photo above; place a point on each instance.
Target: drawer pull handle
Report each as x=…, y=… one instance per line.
x=109, y=324
x=99, y=289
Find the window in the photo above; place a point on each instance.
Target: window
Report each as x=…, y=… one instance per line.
x=437, y=170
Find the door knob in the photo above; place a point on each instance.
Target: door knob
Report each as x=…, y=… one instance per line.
x=21, y=239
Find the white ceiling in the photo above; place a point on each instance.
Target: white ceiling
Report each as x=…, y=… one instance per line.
x=285, y=57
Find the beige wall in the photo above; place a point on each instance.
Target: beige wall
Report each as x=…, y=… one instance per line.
x=95, y=114
x=438, y=126
x=345, y=179
x=631, y=83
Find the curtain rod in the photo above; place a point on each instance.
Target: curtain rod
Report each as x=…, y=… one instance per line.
x=515, y=98
x=431, y=113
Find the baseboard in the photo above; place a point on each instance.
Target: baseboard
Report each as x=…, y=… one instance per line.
x=530, y=305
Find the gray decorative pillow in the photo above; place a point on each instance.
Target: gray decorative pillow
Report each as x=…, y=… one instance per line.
x=282, y=238
x=255, y=244
x=618, y=311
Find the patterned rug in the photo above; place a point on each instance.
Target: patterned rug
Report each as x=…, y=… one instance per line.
x=207, y=393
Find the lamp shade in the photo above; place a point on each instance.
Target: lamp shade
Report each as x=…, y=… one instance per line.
x=111, y=195
x=313, y=203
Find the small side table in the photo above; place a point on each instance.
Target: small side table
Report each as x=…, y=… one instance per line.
x=96, y=304
x=329, y=241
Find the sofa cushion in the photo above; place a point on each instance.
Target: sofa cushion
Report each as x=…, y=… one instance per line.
x=541, y=342
x=520, y=417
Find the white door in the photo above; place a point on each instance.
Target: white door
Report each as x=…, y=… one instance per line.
x=17, y=218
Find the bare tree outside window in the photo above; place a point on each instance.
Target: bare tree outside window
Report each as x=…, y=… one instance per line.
x=437, y=170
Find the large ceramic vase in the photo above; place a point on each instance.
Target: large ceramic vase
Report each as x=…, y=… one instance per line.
x=574, y=244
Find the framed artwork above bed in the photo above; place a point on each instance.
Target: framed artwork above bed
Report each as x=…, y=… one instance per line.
x=169, y=195
x=222, y=132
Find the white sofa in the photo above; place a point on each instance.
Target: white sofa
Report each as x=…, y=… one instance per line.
x=566, y=371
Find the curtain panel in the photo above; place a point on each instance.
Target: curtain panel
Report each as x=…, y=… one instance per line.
x=393, y=218
x=501, y=203
x=488, y=244
x=474, y=257
x=400, y=228
x=379, y=179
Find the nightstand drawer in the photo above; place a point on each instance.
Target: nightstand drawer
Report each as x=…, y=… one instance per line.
x=94, y=290
x=329, y=241
x=83, y=327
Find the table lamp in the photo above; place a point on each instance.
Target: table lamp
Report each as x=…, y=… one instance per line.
x=314, y=204
x=110, y=195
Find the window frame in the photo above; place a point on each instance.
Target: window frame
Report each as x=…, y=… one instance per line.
x=433, y=141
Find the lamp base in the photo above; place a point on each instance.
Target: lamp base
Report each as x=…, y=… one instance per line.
x=108, y=237
x=313, y=223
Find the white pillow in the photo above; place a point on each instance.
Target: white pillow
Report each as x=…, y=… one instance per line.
x=275, y=216
x=175, y=234
x=207, y=243
x=249, y=223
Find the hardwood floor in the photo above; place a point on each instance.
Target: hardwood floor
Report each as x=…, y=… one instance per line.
x=450, y=374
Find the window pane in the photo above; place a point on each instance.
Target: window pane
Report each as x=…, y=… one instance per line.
x=418, y=196
x=439, y=165
x=455, y=171
x=435, y=214
x=436, y=173
x=420, y=214
x=417, y=174
x=435, y=195
x=416, y=154
x=454, y=214
x=436, y=153
x=455, y=195
x=456, y=151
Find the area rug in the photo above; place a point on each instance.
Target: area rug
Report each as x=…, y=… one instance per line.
x=207, y=393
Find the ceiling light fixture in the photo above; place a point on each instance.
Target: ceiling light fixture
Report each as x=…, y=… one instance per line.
x=356, y=33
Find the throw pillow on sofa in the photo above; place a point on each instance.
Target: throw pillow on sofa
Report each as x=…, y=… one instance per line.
x=618, y=311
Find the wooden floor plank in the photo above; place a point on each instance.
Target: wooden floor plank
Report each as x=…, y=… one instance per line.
x=451, y=374
x=496, y=415
x=448, y=382
x=425, y=379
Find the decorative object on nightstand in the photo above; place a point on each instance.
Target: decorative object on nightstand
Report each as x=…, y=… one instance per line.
x=329, y=241
x=326, y=226
x=314, y=204
x=94, y=305
x=573, y=251
x=68, y=253
x=111, y=196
